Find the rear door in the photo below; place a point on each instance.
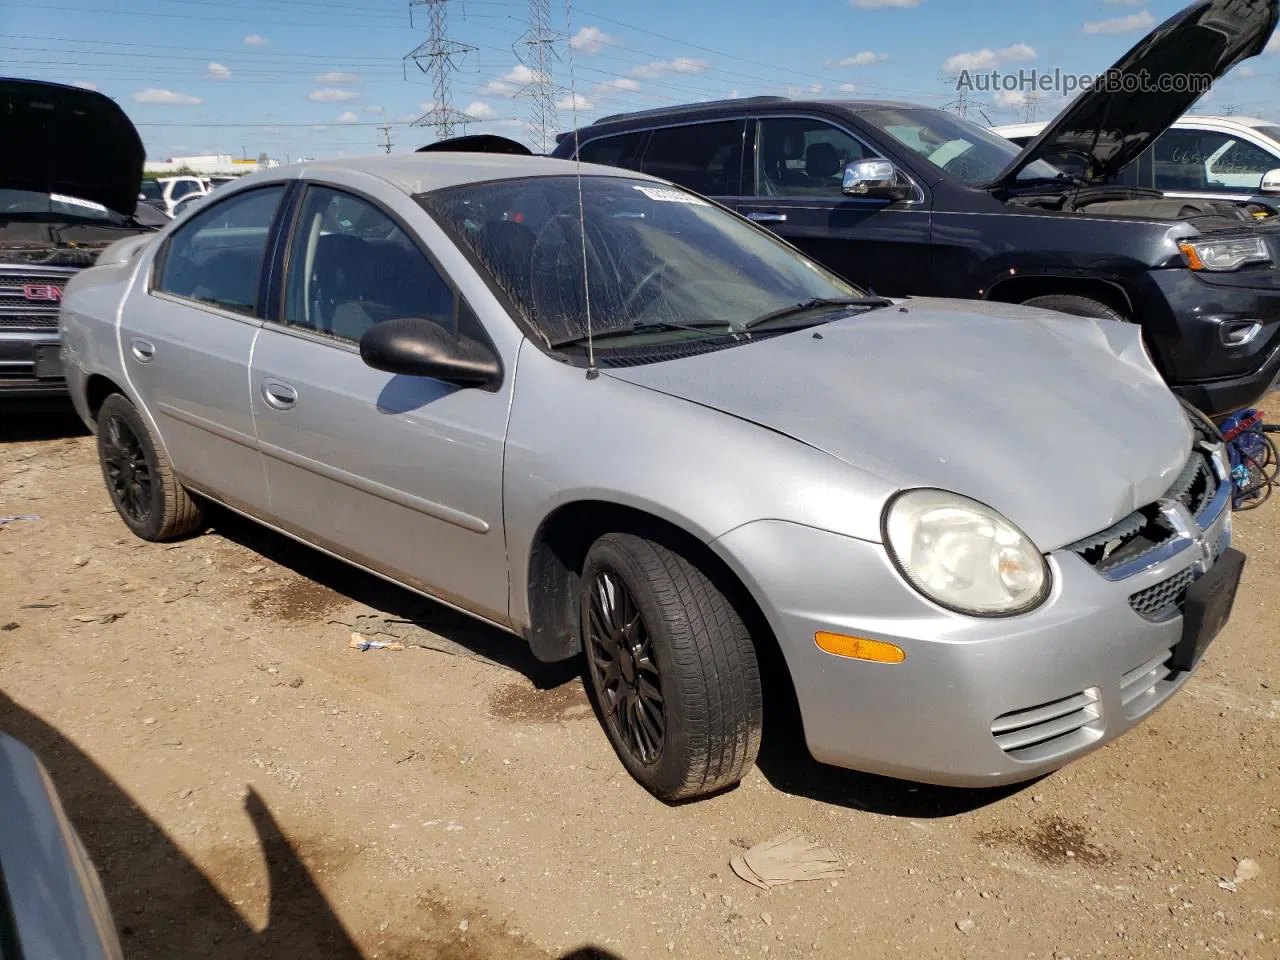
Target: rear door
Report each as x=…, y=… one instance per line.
x=186, y=337
x=796, y=175
x=400, y=474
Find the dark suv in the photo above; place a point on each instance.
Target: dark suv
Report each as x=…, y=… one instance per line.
x=70, y=167
x=907, y=199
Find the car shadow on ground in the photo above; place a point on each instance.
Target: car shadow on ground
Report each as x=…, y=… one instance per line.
x=29, y=422
x=163, y=904
x=787, y=768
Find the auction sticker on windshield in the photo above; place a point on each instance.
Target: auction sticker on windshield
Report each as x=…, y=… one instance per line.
x=77, y=202
x=672, y=196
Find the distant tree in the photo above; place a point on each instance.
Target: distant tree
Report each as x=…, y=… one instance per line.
x=263, y=159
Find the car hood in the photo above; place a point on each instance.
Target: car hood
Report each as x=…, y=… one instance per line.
x=1060, y=423
x=1105, y=128
x=64, y=140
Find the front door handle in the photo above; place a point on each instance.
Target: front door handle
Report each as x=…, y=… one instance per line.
x=144, y=351
x=279, y=394
x=762, y=216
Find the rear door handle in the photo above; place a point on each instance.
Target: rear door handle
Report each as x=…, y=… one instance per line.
x=762, y=216
x=144, y=351
x=279, y=394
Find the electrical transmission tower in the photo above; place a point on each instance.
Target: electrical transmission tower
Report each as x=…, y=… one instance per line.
x=1029, y=105
x=386, y=138
x=439, y=57
x=538, y=49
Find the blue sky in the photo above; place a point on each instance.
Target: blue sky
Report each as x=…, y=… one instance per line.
x=315, y=78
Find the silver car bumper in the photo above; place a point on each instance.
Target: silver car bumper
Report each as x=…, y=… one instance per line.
x=976, y=702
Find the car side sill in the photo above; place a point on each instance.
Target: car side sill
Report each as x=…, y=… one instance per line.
x=275, y=528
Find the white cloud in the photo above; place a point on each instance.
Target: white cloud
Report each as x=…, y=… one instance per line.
x=480, y=111
x=332, y=95
x=1135, y=21
x=1124, y=3
x=319, y=126
x=847, y=88
x=84, y=84
x=620, y=83
x=216, y=71
x=337, y=76
x=255, y=40
x=590, y=40
x=375, y=108
x=864, y=58
x=876, y=4
x=1273, y=46
x=169, y=97
x=510, y=83
x=1246, y=72
x=1010, y=99
x=347, y=116
x=656, y=68
x=988, y=59
x=574, y=101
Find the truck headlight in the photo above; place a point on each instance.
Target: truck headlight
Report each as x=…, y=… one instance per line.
x=1221, y=255
x=963, y=555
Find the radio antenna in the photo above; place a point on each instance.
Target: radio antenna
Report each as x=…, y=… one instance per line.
x=592, y=372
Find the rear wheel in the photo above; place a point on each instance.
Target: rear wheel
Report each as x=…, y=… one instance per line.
x=146, y=494
x=1077, y=306
x=672, y=668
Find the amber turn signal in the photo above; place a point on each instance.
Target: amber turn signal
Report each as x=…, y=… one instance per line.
x=860, y=648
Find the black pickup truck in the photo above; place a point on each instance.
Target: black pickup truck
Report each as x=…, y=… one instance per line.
x=907, y=199
x=70, y=169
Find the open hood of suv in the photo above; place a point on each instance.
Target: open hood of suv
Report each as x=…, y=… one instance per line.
x=64, y=140
x=1105, y=128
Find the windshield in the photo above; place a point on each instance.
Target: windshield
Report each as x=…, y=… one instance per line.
x=656, y=256
x=965, y=150
x=28, y=204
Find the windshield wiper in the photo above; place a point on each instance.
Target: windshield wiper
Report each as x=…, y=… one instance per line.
x=816, y=303
x=648, y=326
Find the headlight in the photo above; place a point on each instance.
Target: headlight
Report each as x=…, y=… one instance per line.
x=963, y=555
x=1220, y=255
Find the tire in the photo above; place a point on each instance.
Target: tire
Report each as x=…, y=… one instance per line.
x=146, y=494
x=1077, y=306
x=684, y=633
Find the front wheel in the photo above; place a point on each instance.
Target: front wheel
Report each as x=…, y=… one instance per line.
x=1077, y=306
x=672, y=668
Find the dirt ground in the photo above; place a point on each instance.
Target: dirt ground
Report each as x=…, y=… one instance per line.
x=250, y=787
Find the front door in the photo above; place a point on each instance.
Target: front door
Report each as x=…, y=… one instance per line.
x=799, y=168
x=187, y=336
x=400, y=474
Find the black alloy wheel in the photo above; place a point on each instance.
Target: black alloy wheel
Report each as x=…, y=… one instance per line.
x=129, y=477
x=625, y=669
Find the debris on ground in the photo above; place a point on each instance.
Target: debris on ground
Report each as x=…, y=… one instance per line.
x=411, y=633
x=99, y=617
x=966, y=925
x=1247, y=869
x=5, y=521
x=786, y=859
x=359, y=641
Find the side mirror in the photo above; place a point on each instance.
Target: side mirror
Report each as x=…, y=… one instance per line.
x=1270, y=181
x=875, y=180
x=418, y=347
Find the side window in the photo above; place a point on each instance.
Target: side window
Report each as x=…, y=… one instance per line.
x=183, y=187
x=619, y=151
x=1204, y=161
x=798, y=156
x=216, y=257
x=703, y=157
x=351, y=266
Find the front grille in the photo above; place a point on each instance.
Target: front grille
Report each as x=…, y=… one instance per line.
x=1164, y=600
x=25, y=301
x=1050, y=729
x=1142, y=688
x=1144, y=530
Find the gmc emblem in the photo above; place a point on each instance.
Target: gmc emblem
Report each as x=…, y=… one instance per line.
x=44, y=292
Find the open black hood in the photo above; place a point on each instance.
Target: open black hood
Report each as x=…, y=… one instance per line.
x=478, y=143
x=1105, y=128
x=65, y=140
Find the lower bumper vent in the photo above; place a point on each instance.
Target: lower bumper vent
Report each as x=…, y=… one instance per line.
x=1142, y=688
x=1043, y=732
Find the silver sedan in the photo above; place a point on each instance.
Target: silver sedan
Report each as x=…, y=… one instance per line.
x=613, y=418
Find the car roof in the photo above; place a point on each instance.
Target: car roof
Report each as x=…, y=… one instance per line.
x=423, y=172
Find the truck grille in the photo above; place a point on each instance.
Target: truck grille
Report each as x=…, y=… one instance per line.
x=29, y=298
